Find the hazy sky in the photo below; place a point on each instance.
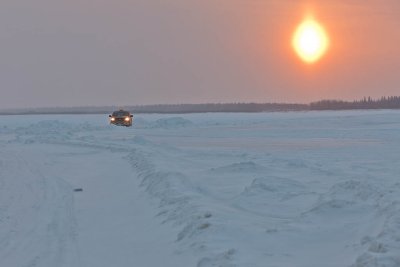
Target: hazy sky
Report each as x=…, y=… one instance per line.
x=101, y=52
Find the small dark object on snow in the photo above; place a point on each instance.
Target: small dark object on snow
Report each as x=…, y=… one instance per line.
x=78, y=190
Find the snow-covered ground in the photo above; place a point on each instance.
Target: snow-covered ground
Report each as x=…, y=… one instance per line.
x=305, y=189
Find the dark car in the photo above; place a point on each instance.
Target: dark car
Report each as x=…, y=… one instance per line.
x=121, y=118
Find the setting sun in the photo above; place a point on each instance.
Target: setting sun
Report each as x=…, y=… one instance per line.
x=310, y=41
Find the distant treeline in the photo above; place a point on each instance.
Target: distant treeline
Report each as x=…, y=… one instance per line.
x=178, y=108
x=229, y=107
x=392, y=102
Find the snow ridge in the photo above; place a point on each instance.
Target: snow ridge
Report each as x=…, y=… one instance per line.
x=176, y=206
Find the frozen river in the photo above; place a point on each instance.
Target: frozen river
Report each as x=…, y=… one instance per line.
x=306, y=189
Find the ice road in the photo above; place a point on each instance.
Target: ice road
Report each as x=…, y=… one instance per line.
x=306, y=189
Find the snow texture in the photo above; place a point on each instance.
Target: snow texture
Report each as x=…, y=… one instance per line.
x=304, y=189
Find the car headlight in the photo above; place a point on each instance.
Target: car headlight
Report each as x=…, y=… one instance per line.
x=112, y=119
x=127, y=119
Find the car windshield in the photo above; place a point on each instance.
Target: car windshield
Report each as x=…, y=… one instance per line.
x=120, y=113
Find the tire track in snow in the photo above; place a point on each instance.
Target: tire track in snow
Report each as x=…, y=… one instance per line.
x=37, y=222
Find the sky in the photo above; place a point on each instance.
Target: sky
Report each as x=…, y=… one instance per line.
x=57, y=53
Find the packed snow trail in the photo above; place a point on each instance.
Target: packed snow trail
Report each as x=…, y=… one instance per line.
x=238, y=190
x=38, y=225
x=117, y=225
x=45, y=223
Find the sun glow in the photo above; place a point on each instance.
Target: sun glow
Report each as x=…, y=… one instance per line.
x=310, y=41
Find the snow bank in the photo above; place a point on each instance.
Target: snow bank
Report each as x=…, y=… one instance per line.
x=168, y=123
x=53, y=131
x=276, y=197
x=248, y=166
x=176, y=205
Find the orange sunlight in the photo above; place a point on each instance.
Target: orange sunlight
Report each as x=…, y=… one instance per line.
x=310, y=41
